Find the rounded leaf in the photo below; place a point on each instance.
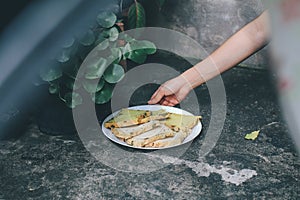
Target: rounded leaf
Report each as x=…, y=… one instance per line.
x=126, y=50
x=68, y=42
x=96, y=68
x=73, y=99
x=137, y=56
x=111, y=34
x=106, y=19
x=104, y=95
x=92, y=86
x=148, y=47
x=67, y=53
x=37, y=80
x=50, y=73
x=143, y=46
x=54, y=88
x=64, y=56
x=114, y=73
x=102, y=45
x=116, y=55
x=116, y=52
x=88, y=39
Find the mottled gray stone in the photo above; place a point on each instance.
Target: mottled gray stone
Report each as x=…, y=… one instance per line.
x=39, y=166
x=210, y=23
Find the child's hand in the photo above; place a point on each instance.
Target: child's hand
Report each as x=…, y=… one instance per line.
x=171, y=92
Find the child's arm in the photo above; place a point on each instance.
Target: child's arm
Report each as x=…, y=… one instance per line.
x=238, y=47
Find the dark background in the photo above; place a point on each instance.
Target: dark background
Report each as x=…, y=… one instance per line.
x=9, y=10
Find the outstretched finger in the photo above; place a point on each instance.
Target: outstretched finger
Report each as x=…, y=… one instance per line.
x=172, y=100
x=166, y=102
x=157, y=96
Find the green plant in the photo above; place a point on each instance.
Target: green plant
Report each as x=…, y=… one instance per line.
x=100, y=74
x=137, y=13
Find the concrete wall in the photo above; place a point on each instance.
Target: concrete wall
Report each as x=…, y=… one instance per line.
x=210, y=22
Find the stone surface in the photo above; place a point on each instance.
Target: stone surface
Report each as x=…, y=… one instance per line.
x=38, y=166
x=210, y=22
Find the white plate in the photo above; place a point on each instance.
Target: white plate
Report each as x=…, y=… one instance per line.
x=195, y=132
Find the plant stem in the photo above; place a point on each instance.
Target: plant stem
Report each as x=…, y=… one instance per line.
x=61, y=97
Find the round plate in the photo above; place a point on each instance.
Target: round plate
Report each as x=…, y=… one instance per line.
x=195, y=131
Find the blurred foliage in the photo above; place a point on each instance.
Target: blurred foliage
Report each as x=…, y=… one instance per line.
x=105, y=48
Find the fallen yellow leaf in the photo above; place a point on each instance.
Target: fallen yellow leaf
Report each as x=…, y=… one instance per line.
x=252, y=136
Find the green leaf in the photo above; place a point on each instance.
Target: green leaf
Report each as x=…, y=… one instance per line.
x=114, y=73
x=127, y=50
x=143, y=46
x=137, y=50
x=93, y=86
x=106, y=19
x=69, y=42
x=104, y=95
x=37, y=80
x=69, y=49
x=67, y=53
x=54, y=88
x=102, y=45
x=136, y=16
x=64, y=56
x=252, y=136
x=111, y=34
x=50, y=73
x=96, y=68
x=137, y=57
x=73, y=99
x=88, y=39
x=116, y=55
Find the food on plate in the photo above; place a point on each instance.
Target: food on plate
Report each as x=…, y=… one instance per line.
x=159, y=114
x=171, y=141
x=180, y=122
x=155, y=129
x=130, y=117
x=131, y=131
x=158, y=133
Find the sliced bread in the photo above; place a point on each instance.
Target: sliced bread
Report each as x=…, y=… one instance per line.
x=181, y=122
x=157, y=133
x=132, y=131
x=128, y=117
x=171, y=141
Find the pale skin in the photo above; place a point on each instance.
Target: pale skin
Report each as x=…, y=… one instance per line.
x=238, y=47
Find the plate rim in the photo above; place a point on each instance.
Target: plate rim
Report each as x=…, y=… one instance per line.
x=154, y=107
